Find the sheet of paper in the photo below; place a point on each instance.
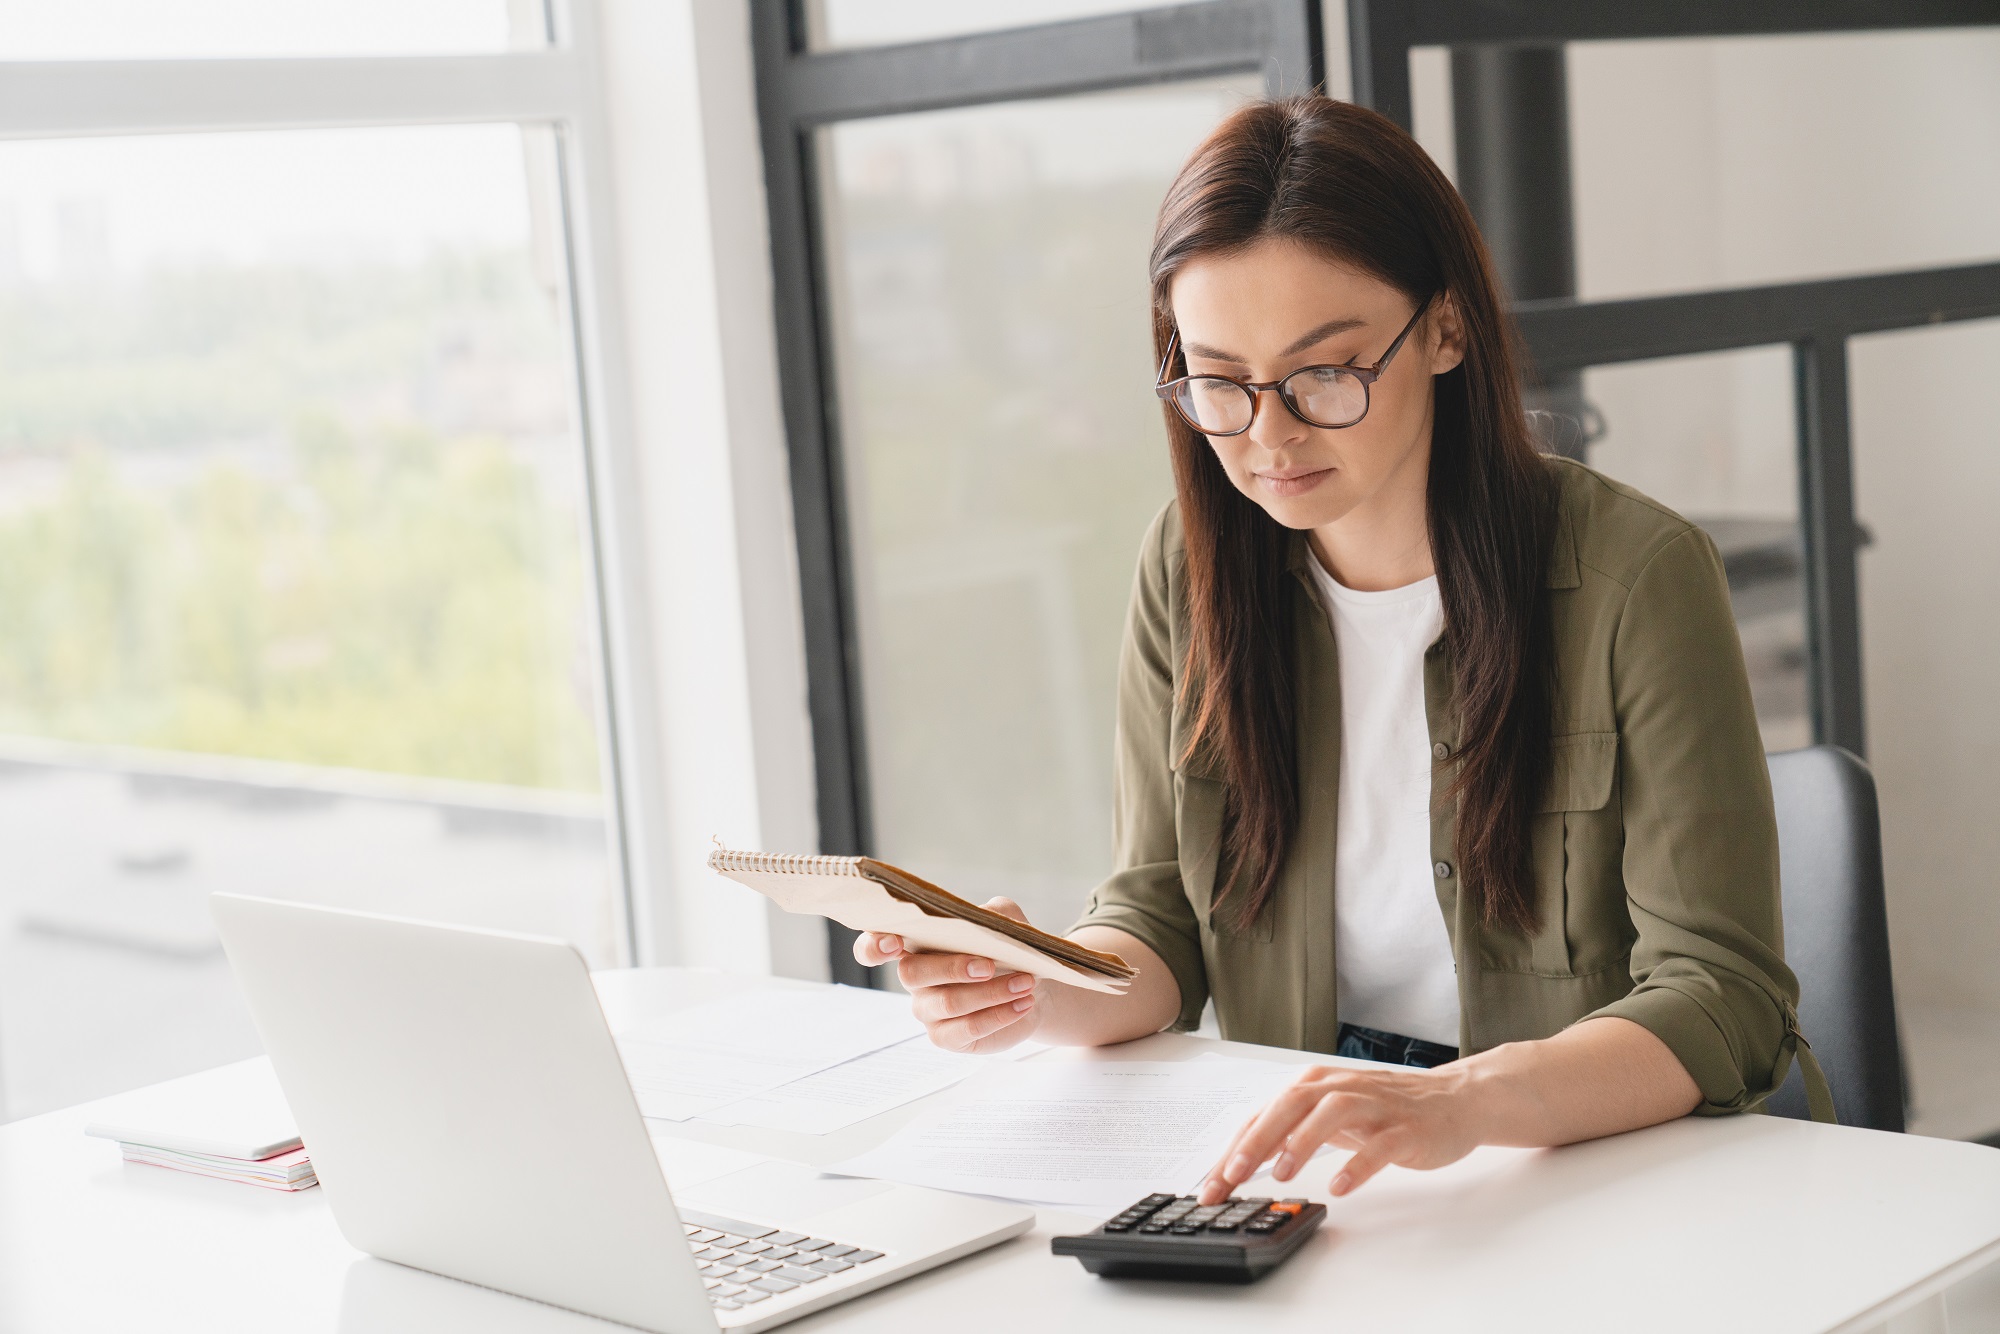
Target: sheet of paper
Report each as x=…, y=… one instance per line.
x=1089, y=1134
x=692, y=1061
x=689, y=1162
x=855, y=1090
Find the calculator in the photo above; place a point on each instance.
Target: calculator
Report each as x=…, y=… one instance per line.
x=1176, y=1236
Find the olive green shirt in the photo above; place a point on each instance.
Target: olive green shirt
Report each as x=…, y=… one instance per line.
x=1655, y=848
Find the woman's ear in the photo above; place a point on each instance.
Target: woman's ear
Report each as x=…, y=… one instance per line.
x=1448, y=347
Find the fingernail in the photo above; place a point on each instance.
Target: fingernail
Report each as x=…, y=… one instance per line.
x=1342, y=1184
x=1020, y=982
x=1286, y=1166
x=889, y=945
x=979, y=969
x=1239, y=1168
x=1024, y=1004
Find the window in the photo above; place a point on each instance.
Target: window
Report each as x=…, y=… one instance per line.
x=993, y=345
x=969, y=219
x=299, y=483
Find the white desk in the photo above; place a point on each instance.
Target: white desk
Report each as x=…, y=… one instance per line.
x=1749, y=1223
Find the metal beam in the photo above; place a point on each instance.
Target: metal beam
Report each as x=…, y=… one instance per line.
x=1118, y=50
x=1451, y=22
x=1571, y=335
x=1826, y=492
x=1510, y=124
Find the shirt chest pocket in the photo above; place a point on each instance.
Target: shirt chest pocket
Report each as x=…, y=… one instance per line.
x=1578, y=847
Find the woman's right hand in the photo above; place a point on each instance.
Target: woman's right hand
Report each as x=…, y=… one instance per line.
x=965, y=1002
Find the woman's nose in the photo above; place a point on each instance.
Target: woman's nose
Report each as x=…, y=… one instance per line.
x=1273, y=424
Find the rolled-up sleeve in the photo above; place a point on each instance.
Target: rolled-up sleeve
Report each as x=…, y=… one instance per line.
x=1701, y=846
x=1143, y=896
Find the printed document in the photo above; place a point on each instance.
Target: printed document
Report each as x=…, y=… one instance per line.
x=855, y=1090
x=1082, y=1133
x=693, y=1061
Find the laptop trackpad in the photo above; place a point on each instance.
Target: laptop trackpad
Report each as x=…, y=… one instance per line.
x=777, y=1191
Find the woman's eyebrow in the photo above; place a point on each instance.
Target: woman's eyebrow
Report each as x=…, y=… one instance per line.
x=1322, y=333
x=1317, y=335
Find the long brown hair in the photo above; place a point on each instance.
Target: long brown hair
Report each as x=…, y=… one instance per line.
x=1353, y=186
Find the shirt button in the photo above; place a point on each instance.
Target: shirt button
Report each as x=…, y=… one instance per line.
x=1443, y=870
x=1441, y=750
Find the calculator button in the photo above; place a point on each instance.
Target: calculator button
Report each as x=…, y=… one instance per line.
x=837, y=1251
x=749, y=1295
x=762, y=1267
x=773, y=1285
x=792, y=1274
x=861, y=1257
x=1115, y=1226
x=1185, y=1229
x=786, y=1238
x=1157, y=1200
x=832, y=1266
x=810, y=1244
x=1152, y=1228
x=1292, y=1207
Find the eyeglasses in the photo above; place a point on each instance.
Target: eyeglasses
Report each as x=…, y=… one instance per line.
x=1326, y=396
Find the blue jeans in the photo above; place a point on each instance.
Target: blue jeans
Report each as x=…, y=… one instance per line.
x=1372, y=1044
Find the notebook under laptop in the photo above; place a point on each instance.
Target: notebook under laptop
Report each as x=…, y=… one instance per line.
x=468, y=1114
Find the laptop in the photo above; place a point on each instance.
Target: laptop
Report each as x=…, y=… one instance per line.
x=468, y=1114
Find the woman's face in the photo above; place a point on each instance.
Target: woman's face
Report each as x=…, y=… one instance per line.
x=1260, y=314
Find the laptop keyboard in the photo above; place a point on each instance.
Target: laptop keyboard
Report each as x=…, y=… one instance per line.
x=742, y=1263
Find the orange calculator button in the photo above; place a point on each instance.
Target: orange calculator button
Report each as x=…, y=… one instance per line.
x=1287, y=1207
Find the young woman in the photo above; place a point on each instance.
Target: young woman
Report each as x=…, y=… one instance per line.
x=1431, y=749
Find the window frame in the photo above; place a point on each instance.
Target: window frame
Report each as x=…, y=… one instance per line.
x=558, y=86
x=801, y=91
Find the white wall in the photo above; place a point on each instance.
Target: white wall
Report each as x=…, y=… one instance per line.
x=722, y=576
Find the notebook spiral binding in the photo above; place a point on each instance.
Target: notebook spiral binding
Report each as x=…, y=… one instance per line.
x=781, y=863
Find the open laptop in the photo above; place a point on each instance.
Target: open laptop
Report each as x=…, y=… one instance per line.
x=467, y=1114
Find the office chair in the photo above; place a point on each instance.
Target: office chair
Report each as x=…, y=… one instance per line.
x=1837, y=934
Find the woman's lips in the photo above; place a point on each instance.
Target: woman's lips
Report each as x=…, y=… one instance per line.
x=1293, y=483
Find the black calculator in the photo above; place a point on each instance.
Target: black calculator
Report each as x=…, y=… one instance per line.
x=1176, y=1236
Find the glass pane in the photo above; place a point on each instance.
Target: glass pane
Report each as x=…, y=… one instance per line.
x=292, y=591
x=1926, y=473
x=833, y=23
x=1005, y=454
x=193, y=29
x=1713, y=437
x=1783, y=158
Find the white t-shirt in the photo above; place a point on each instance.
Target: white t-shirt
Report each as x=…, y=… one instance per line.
x=1391, y=951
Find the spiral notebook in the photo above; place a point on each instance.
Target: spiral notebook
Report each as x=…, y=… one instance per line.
x=866, y=895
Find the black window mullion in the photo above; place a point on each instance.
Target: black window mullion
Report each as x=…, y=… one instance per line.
x=1826, y=513
x=1083, y=55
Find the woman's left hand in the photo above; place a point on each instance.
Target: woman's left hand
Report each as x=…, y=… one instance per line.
x=1413, y=1118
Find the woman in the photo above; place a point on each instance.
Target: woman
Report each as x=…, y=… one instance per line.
x=1431, y=749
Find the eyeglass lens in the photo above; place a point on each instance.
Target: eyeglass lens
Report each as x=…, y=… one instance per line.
x=1321, y=395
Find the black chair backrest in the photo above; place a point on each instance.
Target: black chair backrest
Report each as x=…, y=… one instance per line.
x=1837, y=934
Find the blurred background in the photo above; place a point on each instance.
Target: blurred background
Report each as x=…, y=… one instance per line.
x=309, y=585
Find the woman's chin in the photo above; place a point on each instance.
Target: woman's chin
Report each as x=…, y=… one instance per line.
x=1324, y=504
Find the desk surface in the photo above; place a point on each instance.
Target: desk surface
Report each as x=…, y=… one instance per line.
x=1739, y=1223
